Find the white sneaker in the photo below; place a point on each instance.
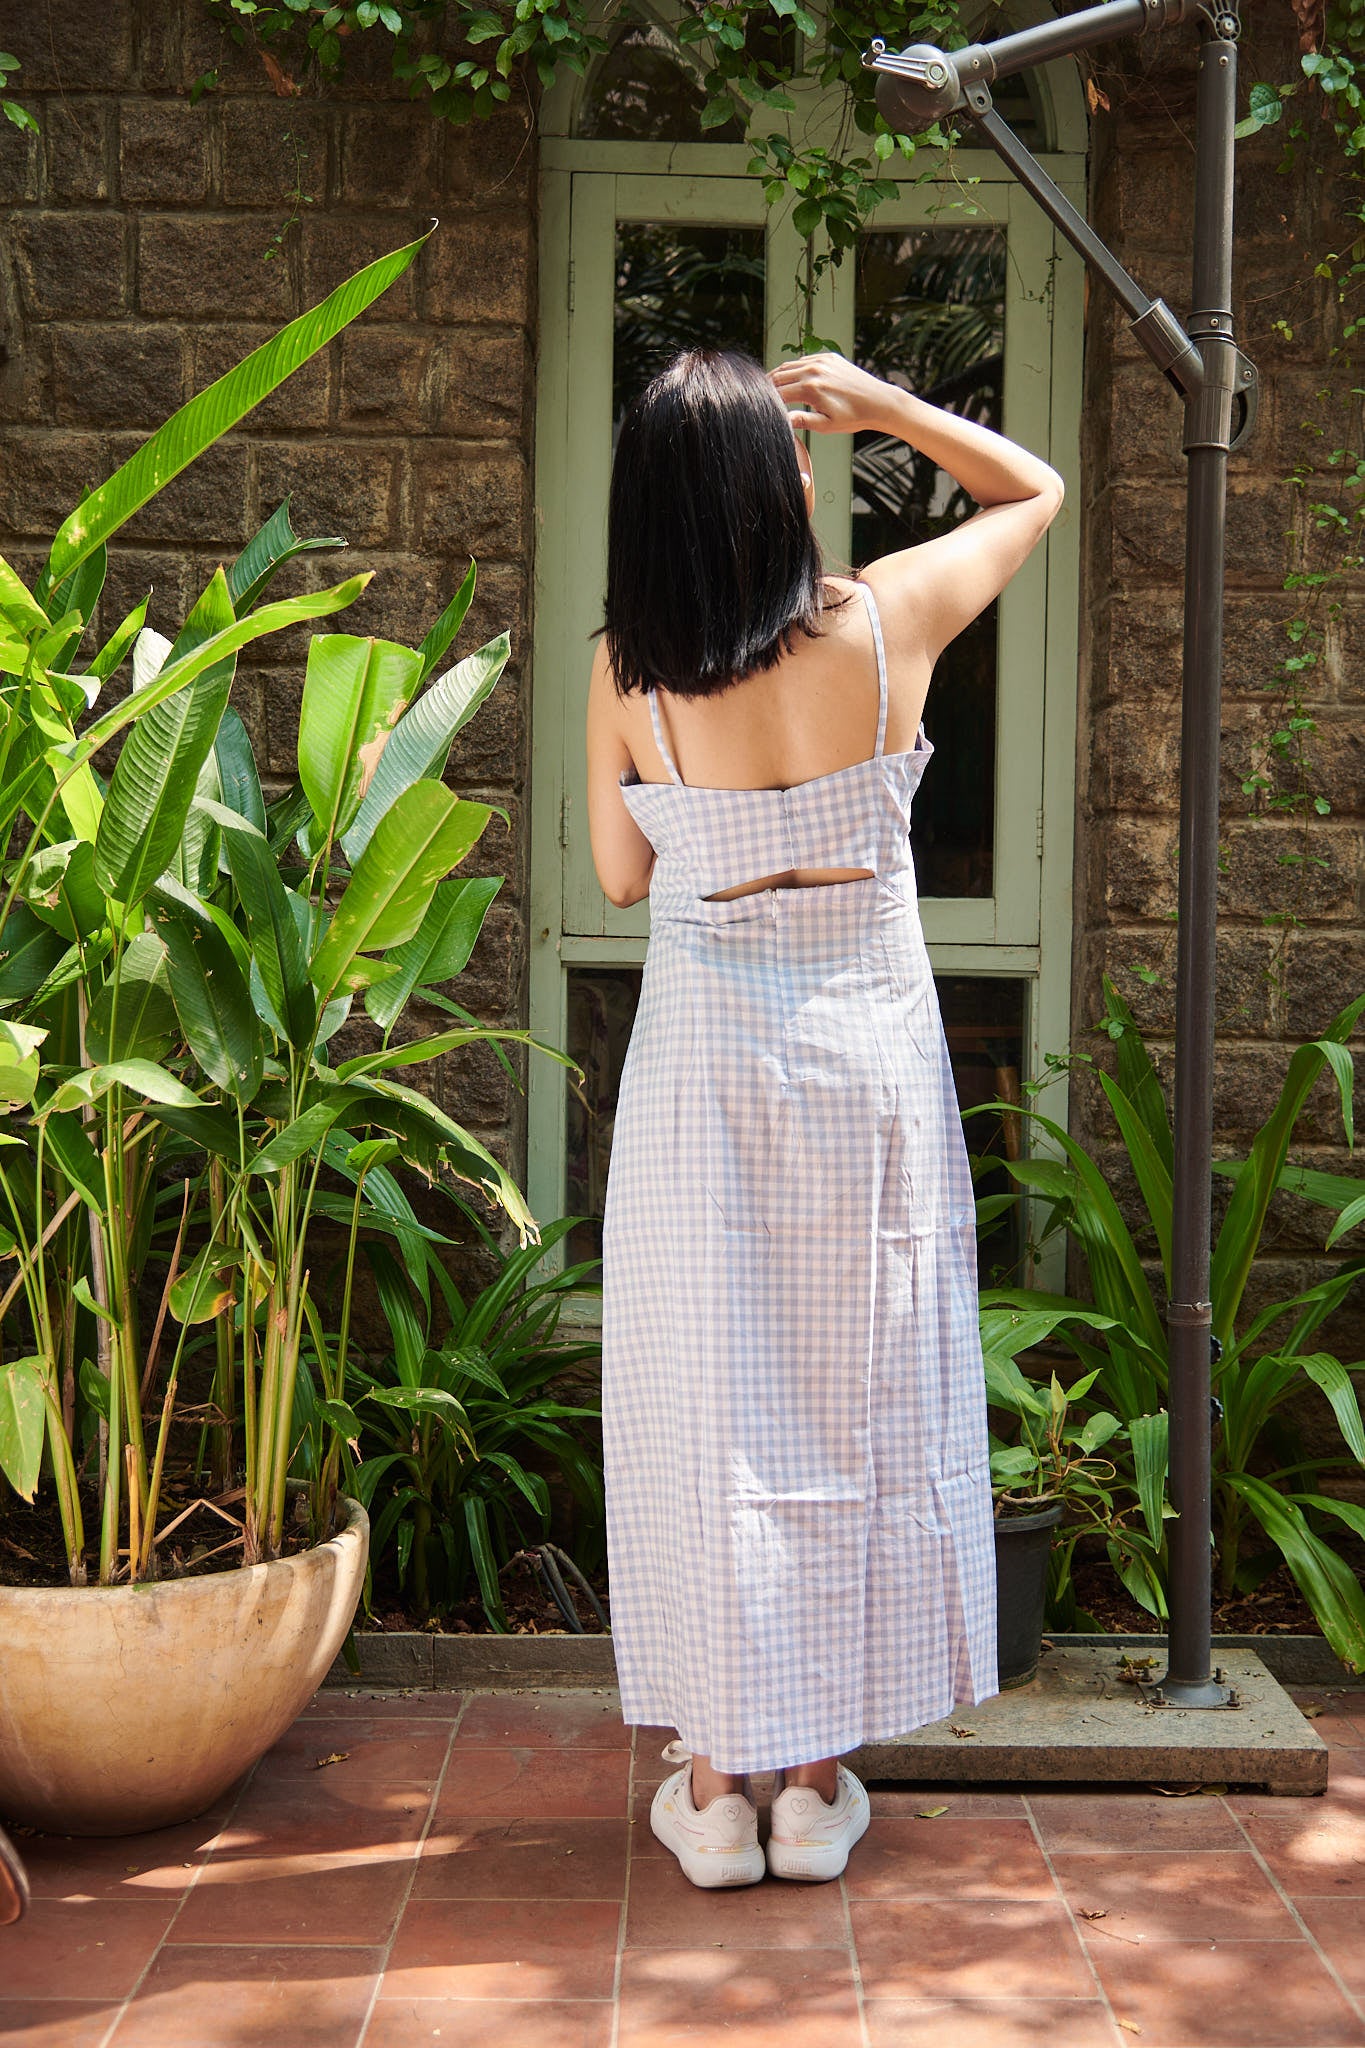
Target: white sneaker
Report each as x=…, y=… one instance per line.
x=811, y=1839
x=716, y=1846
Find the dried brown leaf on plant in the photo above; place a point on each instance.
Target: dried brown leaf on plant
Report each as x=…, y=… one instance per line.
x=1309, y=14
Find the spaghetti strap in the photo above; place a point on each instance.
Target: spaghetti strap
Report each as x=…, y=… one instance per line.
x=875, y=616
x=660, y=742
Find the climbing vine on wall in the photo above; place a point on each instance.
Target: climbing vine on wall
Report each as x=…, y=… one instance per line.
x=1328, y=476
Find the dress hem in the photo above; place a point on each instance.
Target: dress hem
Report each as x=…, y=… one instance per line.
x=762, y=1761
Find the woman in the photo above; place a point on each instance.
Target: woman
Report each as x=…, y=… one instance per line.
x=798, y=1491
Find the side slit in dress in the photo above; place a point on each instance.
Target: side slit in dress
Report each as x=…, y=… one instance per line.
x=799, y=1518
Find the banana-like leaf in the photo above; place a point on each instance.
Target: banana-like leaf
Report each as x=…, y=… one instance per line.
x=19, y=1045
x=29, y=950
x=272, y=923
x=466, y=1157
x=1325, y=1580
x=196, y=857
x=110, y=656
x=266, y=552
x=485, y=1562
x=133, y=1016
x=154, y=780
x=66, y=1144
x=440, y=636
x=1150, y=1169
x=1239, y=1237
x=1149, y=1436
x=23, y=1423
x=420, y=743
x=1137, y=1077
x=306, y=1132
x=209, y=416
x=438, y=950
x=141, y=1077
x=19, y=608
x=237, y=777
x=60, y=888
x=77, y=592
x=420, y=838
x=1331, y=1375
x=354, y=694
x=211, y=999
x=207, y=1288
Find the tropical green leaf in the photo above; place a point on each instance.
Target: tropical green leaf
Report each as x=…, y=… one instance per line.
x=23, y=1423
x=158, y=767
x=66, y=1144
x=438, y=950
x=209, y=416
x=419, y=745
x=485, y=1562
x=272, y=925
x=420, y=838
x=133, y=1016
x=1325, y=1580
x=1149, y=1436
x=1152, y=1173
x=440, y=636
x=353, y=696
x=306, y=1132
x=237, y=777
x=29, y=950
x=110, y=656
x=207, y=1288
x=19, y=1045
x=77, y=592
x=141, y=1077
x=211, y=999
x=1331, y=1375
x=1137, y=1077
x=267, y=552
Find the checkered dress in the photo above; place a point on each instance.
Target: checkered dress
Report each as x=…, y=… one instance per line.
x=798, y=1494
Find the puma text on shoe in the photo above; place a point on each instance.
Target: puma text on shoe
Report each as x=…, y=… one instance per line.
x=717, y=1846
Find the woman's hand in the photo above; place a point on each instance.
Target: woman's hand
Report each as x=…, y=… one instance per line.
x=832, y=395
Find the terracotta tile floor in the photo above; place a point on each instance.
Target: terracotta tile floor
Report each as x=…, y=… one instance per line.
x=479, y=1872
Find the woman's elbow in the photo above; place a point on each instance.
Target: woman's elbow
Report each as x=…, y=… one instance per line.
x=622, y=894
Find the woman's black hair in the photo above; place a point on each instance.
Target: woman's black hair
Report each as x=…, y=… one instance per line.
x=712, y=567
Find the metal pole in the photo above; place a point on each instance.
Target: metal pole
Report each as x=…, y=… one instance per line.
x=1189, y=1316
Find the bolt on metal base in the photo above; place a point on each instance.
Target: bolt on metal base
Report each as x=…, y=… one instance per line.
x=1191, y=1692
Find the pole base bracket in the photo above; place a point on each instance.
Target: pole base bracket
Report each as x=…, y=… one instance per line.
x=1191, y=1692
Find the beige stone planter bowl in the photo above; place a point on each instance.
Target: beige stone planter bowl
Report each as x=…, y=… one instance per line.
x=133, y=1707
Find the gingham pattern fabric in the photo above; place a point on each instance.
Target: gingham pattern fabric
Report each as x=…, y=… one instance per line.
x=798, y=1493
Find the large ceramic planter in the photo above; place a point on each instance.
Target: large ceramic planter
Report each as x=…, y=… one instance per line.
x=132, y=1707
x=1022, y=1546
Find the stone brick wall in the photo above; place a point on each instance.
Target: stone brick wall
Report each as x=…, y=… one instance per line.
x=1275, y=987
x=135, y=267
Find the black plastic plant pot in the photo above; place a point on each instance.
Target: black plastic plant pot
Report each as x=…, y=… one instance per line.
x=1022, y=1545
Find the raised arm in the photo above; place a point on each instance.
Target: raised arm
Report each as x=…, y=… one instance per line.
x=934, y=590
x=623, y=857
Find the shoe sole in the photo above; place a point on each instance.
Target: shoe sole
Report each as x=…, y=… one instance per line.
x=713, y=1869
x=812, y=1865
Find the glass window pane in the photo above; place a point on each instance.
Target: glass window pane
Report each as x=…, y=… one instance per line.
x=640, y=92
x=602, y=1005
x=930, y=315
x=983, y=1021
x=682, y=287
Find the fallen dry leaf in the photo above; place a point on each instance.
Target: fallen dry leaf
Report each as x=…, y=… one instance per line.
x=1175, y=1791
x=1310, y=1713
x=1093, y=1912
x=930, y=1812
x=338, y=1756
x=1129, y=2026
x=955, y=1728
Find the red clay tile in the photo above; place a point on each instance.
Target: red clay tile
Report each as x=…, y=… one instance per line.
x=227, y=1997
x=52, y=2022
x=333, y=1704
x=988, y=2023
x=122, y=1866
x=1237, y=1995
x=1338, y=1927
x=308, y=1898
x=1317, y=1855
x=1345, y=1793
x=519, y=1948
x=100, y=1947
x=762, y=1997
x=524, y=1859
x=1194, y=1895
x=666, y=1911
x=977, y=1949
x=546, y=1784
x=1336, y=1717
x=949, y=1859
x=1132, y=1820
x=381, y=1752
x=906, y=1802
x=490, y=2023
x=544, y=1720
x=328, y=1811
